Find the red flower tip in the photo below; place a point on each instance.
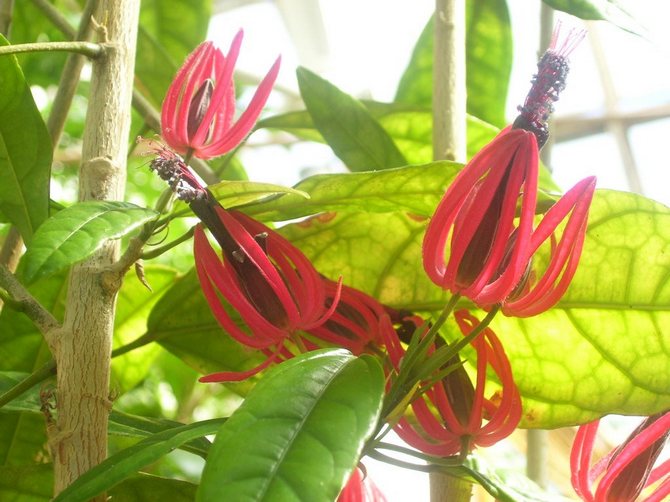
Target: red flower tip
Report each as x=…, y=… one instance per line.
x=455, y=415
x=360, y=488
x=198, y=110
x=490, y=248
x=629, y=470
x=355, y=322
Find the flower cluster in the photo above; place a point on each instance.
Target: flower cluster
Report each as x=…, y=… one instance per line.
x=480, y=243
x=453, y=415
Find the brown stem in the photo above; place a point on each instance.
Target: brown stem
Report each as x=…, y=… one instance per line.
x=79, y=440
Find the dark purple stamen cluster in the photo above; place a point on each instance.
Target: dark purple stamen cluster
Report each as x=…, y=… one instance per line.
x=547, y=84
x=171, y=167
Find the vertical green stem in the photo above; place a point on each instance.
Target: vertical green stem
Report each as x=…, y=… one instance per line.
x=449, y=142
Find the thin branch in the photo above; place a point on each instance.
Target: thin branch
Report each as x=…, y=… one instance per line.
x=70, y=77
x=88, y=49
x=56, y=18
x=23, y=301
x=148, y=255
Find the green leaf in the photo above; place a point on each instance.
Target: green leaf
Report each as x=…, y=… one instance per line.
x=488, y=63
x=415, y=189
x=300, y=431
x=127, y=462
x=25, y=152
x=78, y=231
x=169, y=31
x=145, y=488
x=353, y=134
x=183, y=323
x=26, y=483
x=606, y=10
x=621, y=287
x=231, y=194
x=133, y=307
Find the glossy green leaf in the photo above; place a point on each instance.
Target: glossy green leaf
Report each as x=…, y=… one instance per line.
x=231, y=194
x=607, y=10
x=573, y=363
x=300, y=431
x=26, y=483
x=169, y=31
x=353, y=134
x=127, y=462
x=78, y=231
x=134, y=304
x=25, y=152
x=182, y=322
x=415, y=189
x=488, y=63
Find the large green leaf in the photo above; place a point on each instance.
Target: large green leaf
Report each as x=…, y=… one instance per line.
x=169, y=31
x=607, y=10
x=182, y=322
x=415, y=189
x=127, y=462
x=603, y=349
x=488, y=63
x=133, y=306
x=410, y=128
x=299, y=433
x=353, y=134
x=77, y=231
x=25, y=152
x=236, y=193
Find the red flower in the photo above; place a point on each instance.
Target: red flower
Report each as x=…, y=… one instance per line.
x=360, y=488
x=490, y=247
x=449, y=416
x=266, y=279
x=197, y=113
x=355, y=324
x=625, y=472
